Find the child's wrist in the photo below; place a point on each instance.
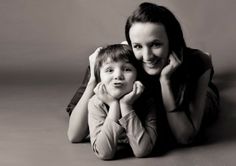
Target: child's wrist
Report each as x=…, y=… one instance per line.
x=125, y=108
x=113, y=103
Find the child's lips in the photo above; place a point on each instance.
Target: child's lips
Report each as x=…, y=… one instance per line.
x=118, y=84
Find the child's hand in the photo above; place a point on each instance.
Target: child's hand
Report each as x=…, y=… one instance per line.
x=174, y=63
x=102, y=94
x=129, y=98
x=92, y=59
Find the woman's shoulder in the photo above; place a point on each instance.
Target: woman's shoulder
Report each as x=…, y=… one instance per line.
x=197, y=61
x=197, y=56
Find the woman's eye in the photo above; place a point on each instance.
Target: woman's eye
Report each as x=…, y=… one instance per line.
x=137, y=46
x=156, y=45
x=127, y=69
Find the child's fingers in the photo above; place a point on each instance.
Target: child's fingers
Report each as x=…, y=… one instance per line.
x=134, y=89
x=104, y=90
x=139, y=87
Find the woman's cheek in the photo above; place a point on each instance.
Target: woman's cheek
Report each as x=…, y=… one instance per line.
x=138, y=55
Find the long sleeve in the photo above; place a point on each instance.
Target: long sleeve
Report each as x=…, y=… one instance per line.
x=104, y=132
x=141, y=135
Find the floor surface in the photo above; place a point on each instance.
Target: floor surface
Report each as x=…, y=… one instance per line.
x=33, y=126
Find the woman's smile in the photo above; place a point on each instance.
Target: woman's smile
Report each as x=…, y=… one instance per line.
x=150, y=45
x=155, y=62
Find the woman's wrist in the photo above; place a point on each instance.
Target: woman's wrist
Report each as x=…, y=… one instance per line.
x=92, y=81
x=164, y=80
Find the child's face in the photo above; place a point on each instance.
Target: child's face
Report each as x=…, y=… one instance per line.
x=118, y=77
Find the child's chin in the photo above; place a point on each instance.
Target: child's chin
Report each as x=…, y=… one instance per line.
x=118, y=96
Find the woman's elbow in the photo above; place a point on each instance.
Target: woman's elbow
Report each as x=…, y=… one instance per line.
x=142, y=152
x=105, y=155
x=186, y=137
x=74, y=138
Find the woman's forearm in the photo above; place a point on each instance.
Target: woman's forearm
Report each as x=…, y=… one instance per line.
x=78, y=123
x=180, y=124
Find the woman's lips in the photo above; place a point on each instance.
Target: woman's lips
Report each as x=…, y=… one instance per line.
x=152, y=63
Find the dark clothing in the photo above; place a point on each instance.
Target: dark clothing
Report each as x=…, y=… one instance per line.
x=78, y=94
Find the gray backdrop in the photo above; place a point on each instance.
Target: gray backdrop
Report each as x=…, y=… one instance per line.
x=50, y=40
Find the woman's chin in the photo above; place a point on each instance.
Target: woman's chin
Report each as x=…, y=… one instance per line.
x=152, y=71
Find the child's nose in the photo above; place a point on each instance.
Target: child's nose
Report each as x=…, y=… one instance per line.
x=118, y=75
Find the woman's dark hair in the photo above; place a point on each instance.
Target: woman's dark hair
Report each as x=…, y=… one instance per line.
x=148, y=12
x=115, y=52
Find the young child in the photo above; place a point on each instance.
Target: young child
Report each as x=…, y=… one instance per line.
x=119, y=112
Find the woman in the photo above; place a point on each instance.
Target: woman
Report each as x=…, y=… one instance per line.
x=180, y=78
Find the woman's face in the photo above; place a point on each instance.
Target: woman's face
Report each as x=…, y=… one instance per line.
x=150, y=45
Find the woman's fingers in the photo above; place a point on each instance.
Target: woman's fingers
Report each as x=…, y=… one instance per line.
x=174, y=60
x=96, y=89
x=94, y=55
x=124, y=42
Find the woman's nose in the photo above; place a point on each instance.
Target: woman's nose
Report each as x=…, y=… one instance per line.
x=147, y=54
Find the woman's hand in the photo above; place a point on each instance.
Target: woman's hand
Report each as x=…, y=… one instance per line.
x=101, y=92
x=129, y=98
x=92, y=59
x=167, y=71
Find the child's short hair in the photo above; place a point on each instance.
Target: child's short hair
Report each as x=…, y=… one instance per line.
x=115, y=52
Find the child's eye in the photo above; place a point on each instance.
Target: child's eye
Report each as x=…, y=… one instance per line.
x=109, y=70
x=127, y=68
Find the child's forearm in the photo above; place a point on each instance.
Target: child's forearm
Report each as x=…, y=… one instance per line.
x=141, y=138
x=104, y=130
x=114, y=111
